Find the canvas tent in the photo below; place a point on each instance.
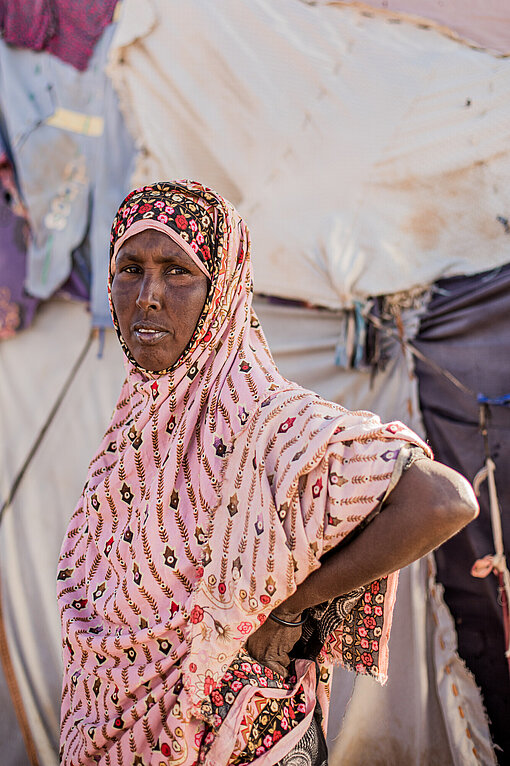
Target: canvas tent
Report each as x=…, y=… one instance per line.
x=353, y=141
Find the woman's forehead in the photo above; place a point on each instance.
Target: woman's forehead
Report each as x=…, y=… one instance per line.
x=181, y=239
x=149, y=242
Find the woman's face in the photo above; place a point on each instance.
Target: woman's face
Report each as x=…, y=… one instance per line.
x=158, y=294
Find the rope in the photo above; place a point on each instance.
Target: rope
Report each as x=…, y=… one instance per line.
x=499, y=565
x=499, y=401
x=15, y=693
x=40, y=436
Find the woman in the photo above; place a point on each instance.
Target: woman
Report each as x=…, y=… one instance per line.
x=221, y=495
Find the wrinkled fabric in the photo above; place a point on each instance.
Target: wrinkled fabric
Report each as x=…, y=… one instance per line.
x=216, y=489
x=466, y=332
x=388, y=127
x=71, y=173
x=68, y=29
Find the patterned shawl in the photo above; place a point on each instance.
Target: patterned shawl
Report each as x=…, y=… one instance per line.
x=215, y=491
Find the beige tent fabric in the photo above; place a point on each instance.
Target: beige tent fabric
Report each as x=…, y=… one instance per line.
x=303, y=342
x=35, y=366
x=485, y=23
x=372, y=156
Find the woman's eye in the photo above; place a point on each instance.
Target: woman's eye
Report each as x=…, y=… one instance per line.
x=131, y=269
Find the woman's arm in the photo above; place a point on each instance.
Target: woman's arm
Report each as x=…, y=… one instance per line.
x=430, y=503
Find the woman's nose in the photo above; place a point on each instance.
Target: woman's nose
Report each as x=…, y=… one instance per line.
x=149, y=296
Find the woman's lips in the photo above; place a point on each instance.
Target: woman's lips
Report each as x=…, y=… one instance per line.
x=149, y=335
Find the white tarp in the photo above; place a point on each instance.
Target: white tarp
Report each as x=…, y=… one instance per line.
x=367, y=156
x=35, y=367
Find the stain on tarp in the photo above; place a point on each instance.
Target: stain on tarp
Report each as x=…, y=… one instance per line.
x=504, y=222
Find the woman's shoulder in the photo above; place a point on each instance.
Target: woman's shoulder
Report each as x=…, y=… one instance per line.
x=295, y=401
x=295, y=414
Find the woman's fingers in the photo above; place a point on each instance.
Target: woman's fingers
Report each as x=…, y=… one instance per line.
x=271, y=645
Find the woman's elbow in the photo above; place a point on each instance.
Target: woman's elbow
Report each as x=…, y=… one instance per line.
x=456, y=504
x=468, y=508
x=443, y=498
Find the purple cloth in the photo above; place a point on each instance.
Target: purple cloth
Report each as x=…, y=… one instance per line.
x=28, y=24
x=68, y=29
x=17, y=308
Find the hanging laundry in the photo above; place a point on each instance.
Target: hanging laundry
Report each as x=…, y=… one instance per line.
x=68, y=29
x=73, y=157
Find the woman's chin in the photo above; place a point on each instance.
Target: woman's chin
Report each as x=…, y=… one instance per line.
x=151, y=358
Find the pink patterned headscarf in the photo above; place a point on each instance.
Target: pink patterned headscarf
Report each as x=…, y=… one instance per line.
x=215, y=491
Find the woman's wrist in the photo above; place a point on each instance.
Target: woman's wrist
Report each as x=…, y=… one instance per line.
x=289, y=609
x=288, y=613
x=287, y=622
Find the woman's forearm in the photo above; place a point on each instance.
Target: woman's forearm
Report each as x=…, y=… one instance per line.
x=429, y=504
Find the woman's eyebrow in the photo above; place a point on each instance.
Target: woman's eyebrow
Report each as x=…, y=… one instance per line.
x=132, y=255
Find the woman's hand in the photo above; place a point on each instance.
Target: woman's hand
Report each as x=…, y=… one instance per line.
x=271, y=643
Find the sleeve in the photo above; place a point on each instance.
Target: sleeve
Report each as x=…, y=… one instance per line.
x=334, y=501
x=353, y=629
x=334, y=495
x=305, y=474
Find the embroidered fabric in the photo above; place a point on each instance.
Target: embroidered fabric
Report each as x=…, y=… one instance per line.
x=311, y=750
x=323, y=619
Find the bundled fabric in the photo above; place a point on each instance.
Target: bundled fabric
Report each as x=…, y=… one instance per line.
x=216, y=490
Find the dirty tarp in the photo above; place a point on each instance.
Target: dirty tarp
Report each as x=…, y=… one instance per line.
x=466, y=331
x=68, y=29
x=352, y=145
x=485, y=23
x=72, y=155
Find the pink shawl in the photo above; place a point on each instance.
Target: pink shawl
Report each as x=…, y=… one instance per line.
x=216, y=489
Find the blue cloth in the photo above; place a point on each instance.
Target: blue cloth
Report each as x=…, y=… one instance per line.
x=71, y=183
